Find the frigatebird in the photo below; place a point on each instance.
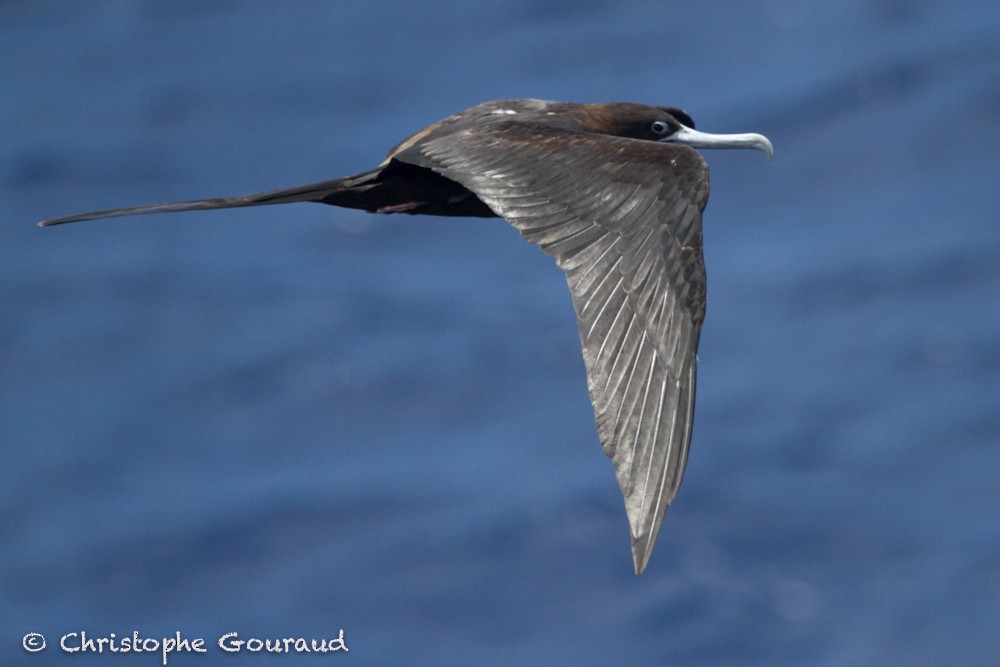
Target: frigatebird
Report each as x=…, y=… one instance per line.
x=615, y=193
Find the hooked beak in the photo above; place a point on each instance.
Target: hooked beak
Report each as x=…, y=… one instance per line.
x=696, y=139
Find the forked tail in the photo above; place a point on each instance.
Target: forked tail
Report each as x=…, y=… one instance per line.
x=314, y=192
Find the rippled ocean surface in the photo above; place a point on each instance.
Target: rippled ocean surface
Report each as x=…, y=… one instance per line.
x=288, y=421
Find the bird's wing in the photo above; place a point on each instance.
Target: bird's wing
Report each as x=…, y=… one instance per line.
x=622, y=218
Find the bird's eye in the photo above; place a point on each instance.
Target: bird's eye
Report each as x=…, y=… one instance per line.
x=659, y=127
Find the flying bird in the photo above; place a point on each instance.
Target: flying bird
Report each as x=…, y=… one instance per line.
x=615, y=193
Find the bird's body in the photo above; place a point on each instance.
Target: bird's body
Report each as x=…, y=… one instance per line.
x=608, y=191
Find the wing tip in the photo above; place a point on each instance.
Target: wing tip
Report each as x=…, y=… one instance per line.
x=642, y=549
x=640, y=560
x=643, y=533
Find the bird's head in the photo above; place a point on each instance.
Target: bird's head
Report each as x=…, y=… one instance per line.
x=638, y=121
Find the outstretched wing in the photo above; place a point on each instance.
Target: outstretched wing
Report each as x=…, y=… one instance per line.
x=622, y=218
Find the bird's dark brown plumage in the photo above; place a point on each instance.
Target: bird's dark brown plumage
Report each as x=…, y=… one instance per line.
x=609, y=192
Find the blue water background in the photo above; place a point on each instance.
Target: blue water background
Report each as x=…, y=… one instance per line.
x=285, y=421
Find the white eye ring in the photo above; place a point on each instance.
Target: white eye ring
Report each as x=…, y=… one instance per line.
x=659, y=127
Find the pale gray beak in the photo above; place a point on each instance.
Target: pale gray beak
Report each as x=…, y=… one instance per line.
x=696, y=139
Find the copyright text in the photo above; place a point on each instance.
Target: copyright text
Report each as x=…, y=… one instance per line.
x=231, y=642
